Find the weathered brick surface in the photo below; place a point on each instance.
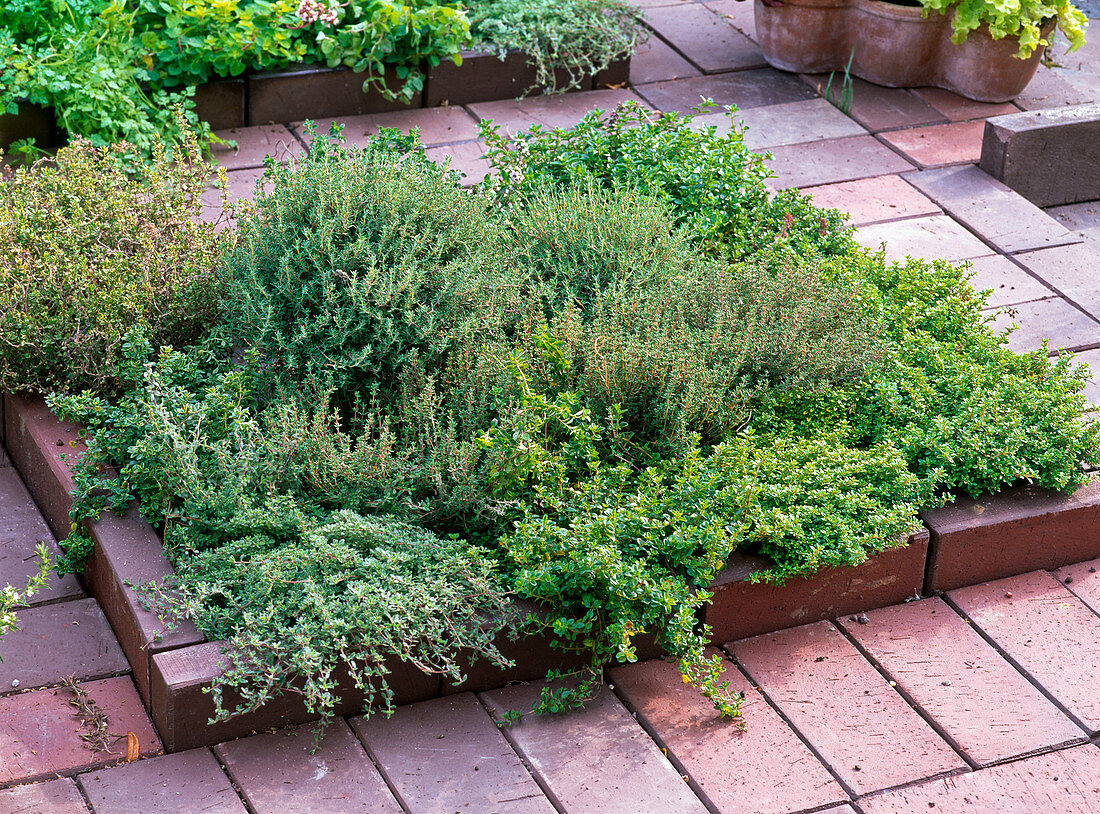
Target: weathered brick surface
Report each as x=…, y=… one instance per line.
x=1047, y=89
x=1073, y=270
x=1047, y=156
x=735, y=770
x=656, y=61
x=788, y=123
x=744, y=89
x=1017, y=530
x=51, y=797
x=1067, y=782
x=934, y=237
x=188, y=782
x=873, y=200
x=437, y=125
x=1055, y=320
x=977, y=698
x=705, y=38
x=939, y=144
x=1047, y=631
x=987, y=207
x=21, y=529
x=827, y=162
x=254, y=144
x=289, y=770
x=448, y=755
x=1007, y=283
x=741, y=15
x=549, y=111
x=41, y=733
x=878, y=108
x=959, y=108
x=858, y=724
x=595, y=759
x=1083, y=579
x=57, y=641
x=739, y=608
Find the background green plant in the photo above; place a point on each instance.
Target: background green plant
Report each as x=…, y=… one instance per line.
x=1024, y=19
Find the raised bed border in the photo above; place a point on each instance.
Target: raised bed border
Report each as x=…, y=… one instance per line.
x=964, y=543
x=317, y=92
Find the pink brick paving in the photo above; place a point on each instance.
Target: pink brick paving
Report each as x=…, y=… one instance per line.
x=981, y=701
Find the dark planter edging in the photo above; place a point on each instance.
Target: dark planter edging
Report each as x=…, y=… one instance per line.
x=967, y=542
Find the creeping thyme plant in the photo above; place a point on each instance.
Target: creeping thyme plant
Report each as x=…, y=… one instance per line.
x=584, y=384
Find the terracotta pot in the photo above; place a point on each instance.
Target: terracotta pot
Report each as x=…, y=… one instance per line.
x=891, y=45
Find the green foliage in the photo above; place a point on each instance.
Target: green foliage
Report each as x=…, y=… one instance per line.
x=566, y=41
x=12, y=597
x=95, y=263
x=80, y=58
x=1024, y=19
x=712, y=183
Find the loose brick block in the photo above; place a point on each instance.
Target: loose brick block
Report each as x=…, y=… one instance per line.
x=827, y=162
x=221, y=103
x=181, y=706
x=740, y=609
x=857, y=723
x=705, y=38
x=959, y=108
x=1007, y=283
x=1014, y=531
x=52, y=797
x=1054, y=320
x=1073, y=271
x=467, y=158
x=1083, y=579
x=656, y=61
x=42, y=733
x=1046, y=630
x=977, y=698
x=437, y=125
x=549, y=111
x=254, y=144
x=1045, y=155
x=448, y=755
x=1067, y=782
x=874, y=200
x=57, y=641
x=935, y=237
x=290, y=770
x=290, y=96
x=939, y=144
x=190, y=781
x=563, y=751
x=878, y=108
x=733, y=770
x=41, y=448
x=21, y=529
x=987, y=207
x=744, y=89
x=790, y=123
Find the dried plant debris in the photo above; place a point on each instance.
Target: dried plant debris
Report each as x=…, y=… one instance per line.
x=94, y=721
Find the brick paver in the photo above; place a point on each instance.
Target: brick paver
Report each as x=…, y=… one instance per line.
x=873, y=200
x=468, y=159
x=970, y=693
x=41, y=733
x=737, y=771
x=933, y=237
x=448, y=755
x=57, y=641
x=51, y=797
x=1046, y=630
x=549, y=111
x=170, y=784
x=1058, y=322
x=437, y=125
x=1007, y=283
x=1083, y=579
x=254, y=144
x=878, y=108
x=744, y=89
x=594, y=759
x=859, y=725
x=740, y=14
x=959, y=108
x=1066, y=782
x=1047, y=89
x=705, y=38
x=1080, y=218
x=293, y=770
x=790, y=123
x=1073, y=270
x=827, y=162
x=939, y=144
x=987, y=207
x=656, y=61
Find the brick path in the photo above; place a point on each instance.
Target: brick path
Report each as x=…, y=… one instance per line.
x=984, y=699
